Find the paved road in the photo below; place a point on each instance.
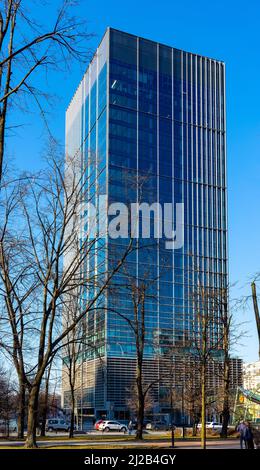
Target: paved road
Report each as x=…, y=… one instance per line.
x=217, y=444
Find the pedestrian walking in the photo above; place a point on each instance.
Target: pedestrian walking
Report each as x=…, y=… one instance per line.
x=248, y=436
x=241, y=429
x=130, y=427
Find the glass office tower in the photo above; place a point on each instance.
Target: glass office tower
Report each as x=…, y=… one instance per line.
x=154, y=118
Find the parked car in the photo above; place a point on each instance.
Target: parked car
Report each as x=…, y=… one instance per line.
x=133, y=424
x=212, y=425
x=97, y=424
x=157, y=425
x=107, y=426
x=57, y=425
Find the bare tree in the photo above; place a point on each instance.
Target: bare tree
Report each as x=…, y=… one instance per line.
x=13, y=319
x=45, y=400
x=28, y=48
x=7, y=400
x=132, y=400
x=213, y=337
x=76, y=344
x=192, y=393
x=72, y=361
x=171, y=381
x=50, y=215
x=225, y=323
x=181, y=381
x=207, y=355
x=206, y=341
x=140, y=291
x=230, y=334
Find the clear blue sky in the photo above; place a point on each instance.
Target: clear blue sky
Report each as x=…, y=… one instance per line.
x=226, y=30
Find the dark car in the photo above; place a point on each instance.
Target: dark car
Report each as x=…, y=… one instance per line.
x=157, y=425
x=133, y=424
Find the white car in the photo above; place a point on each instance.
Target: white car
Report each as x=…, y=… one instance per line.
x=107, y=426
x=56, y=424
x=211, y=425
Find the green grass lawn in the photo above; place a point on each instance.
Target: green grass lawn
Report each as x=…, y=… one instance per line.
x=117, y=438
x=116, y=441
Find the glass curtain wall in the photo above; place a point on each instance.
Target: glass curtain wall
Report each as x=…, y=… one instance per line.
x=167, y=144
x=149, y=121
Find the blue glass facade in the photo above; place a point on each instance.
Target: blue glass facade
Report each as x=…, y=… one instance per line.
x=153, y=115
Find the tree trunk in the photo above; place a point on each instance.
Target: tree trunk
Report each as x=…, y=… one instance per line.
x=225, y=411
x=203, y=406
x=21, y=411
x=226, y=416
x=140, y=417
x=72, y=416
x=32, y=416
x=45, y=405
x=140, y=411
x=226, y=378
x=194, y=421
x=44, y=416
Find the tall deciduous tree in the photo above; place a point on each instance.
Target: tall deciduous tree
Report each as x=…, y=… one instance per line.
x=207, y=340
x=77, y=343
x=45, y=400
x=44, y=218
x=140, y=291
x=72, y=364
x=28, y=48
x=15, y=270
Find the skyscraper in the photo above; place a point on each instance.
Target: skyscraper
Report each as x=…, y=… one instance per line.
x=154, y=118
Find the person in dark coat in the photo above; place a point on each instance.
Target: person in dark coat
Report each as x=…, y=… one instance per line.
x=248, y=436
x=241, y=429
